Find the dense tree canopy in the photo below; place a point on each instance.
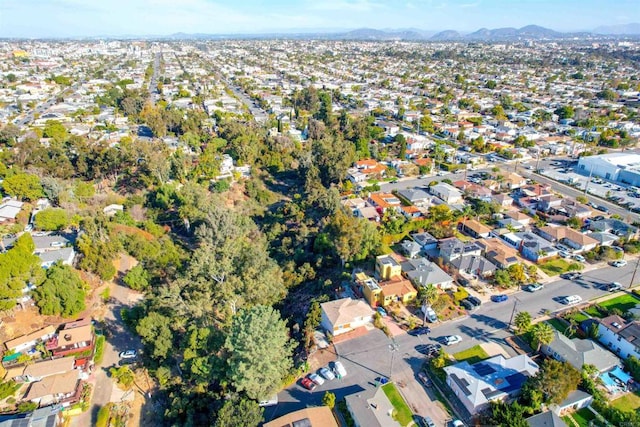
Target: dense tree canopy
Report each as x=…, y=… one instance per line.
x=61, y=293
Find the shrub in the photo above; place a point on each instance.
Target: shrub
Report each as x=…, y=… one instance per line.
x=99, y=349
x=102, y=420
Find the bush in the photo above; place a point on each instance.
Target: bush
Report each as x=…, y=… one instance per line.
x=8, y=388
x=27, y=407
x=460, y=294
x=99, y=349
x=104, y=414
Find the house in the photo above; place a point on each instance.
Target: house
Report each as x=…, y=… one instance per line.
x=371, y=408
x=49, y=416
x=614, y=226
x=604, y=238
x=498, y=253
x=447, y=193
x=369, y=288
x=453, y=248
x=344, y=315
x=38, y=371
x=579, y=352
x=575, y=209
x=416, y=197
x=369, y=213
x=9, y=210
x=387, y=267
x=29, y=341
x=493, y=379
x=53, y=389
x=510, y=224
x=423, y=272
x=51, y=242
x=318, y=416
x=546, y=419
x=522, y=218
x=410, y=248
x=73, y=337
x=112, y=209
x=425, y=240
x=568, y=236
x=384, y=201
x=410, y=212
x=474, y=228
x=371, y=168
x=64, y=255
x=620, y=336
x=513, y=181
x=397, y=289
x=549, y=202
x=477, y=265
x=535, y=248
x=575, y=401
x=503, y=200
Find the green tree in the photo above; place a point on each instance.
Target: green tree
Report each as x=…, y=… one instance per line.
x=523, y=321
x=52, y=219
x=259, y=351
x=18, y=265
x=84, y=190
x=507, y=415
x=156, y=335
x=137, y=278
x=123, y=375
x=565, y=112
x=61, y=293
x=239, y=412
x=542, y=334
x=329, y=399
x=556, y=380
x=23, y=186
x=56, y=131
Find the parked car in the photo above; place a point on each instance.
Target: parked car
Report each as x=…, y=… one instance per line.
x=452, y=339
x=602, y=208
x=424, y=379
x=573, y=275
x=564, y=254
x=499, y=298
x=533, y=287
x=327, y=374
x=430, y=314
x=579, y=258
x=619, y=263
x=338, y=369
x=316, y=379
x=457, y=423
x=474, y=300
x=422, y=330
x=128, y=354
x=468, y=305
x=428, y=349
x=382, y=311
x=571, y=299
x=307, y=383
x=425, y=421
x=611, y=287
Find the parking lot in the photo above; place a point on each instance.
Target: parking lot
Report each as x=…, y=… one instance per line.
x=366, y=359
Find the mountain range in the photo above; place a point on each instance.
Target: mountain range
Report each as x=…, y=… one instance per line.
x=528, y=32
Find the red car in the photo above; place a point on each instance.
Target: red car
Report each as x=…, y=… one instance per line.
x=307, y=383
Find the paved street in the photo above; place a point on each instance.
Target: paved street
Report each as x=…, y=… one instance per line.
x=120, y=339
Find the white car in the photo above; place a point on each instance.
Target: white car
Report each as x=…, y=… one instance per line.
x=338, y=369
x=128, y=354
x=316, y=379
x=579, y=258
x=326, y=372
x=619, y=263
x=571, y=299
x=452, y=339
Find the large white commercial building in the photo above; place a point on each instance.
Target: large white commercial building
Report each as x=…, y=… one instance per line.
x=620, y=167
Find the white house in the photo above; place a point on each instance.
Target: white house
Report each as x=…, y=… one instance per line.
x=447, y=193
x=620, y=336
x=29, y=341
x=344, y=315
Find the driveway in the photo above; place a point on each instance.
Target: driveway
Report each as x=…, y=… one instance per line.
x=119, y=339
x=367, y=358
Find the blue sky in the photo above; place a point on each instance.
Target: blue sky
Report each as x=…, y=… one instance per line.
x=77, y=18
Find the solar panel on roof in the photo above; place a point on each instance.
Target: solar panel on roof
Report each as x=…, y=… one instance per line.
x=483, y=369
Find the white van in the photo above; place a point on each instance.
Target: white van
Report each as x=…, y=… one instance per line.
x=269, y=402
x=572, y=299
x=338, y=369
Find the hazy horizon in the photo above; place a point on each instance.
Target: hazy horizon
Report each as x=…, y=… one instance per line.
x=82, y=18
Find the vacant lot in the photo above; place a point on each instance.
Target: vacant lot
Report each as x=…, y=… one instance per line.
x=558, y=266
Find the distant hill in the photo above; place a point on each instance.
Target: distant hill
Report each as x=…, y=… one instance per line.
x=528, y=32
x=447, y=35
x=371, y=34
x=617, y=30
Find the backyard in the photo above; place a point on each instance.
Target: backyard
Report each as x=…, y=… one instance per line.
x=560, y=326
x=621, y=303
x=402, y=411
x=628, y=402
x=472, y=355
x=557, y=266
x=583, y=417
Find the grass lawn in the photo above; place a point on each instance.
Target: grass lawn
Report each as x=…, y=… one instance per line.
x=560, y=326
x=583, y=416
x=402, y=411
x=462, y=237
x=622, y=303
x=578, y=317
x=472, y=355
x=628, y=402
x=558, y=266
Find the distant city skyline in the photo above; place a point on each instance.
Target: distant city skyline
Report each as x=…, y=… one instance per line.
x=94, y=18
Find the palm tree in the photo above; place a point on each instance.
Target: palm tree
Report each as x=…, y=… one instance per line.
x=542, y=334
x=572, y=327
x=523, y=321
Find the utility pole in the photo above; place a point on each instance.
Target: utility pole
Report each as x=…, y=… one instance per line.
x=393, y=347
x=586, y=186
x=513, y=312
x=633, y=276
